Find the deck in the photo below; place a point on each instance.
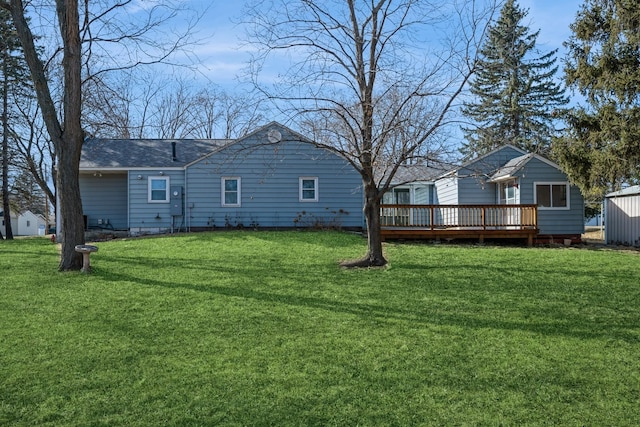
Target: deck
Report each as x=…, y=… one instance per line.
x=459, y=222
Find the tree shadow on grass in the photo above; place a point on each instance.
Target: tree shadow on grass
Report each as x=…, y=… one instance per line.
x=569, y=324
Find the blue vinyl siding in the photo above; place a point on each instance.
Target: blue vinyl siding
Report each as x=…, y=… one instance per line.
x=269, y=175
x=446, y=191
x=552, y=221
x=105, y=197
x=473, y=188
x=476, y=191
x=145, y=215
x=424, y=195
x=270, y=178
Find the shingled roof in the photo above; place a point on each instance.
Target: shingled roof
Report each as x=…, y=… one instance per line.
x=513, y=166
x=416, y=172
x=143, y=153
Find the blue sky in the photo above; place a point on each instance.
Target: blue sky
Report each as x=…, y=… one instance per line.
x=552, y=17
x=222, y=57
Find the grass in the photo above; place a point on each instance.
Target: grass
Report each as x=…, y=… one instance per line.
x=264, y=328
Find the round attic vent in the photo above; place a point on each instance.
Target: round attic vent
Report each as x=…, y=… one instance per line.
x=274, y=135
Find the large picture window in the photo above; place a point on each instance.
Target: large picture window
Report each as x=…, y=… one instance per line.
x=308, y=189
x=231, y=195
x=158, y=189
x=552, y=195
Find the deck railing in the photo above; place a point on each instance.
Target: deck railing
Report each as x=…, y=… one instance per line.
x=471, y=217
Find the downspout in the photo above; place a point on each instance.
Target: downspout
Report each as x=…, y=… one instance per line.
x=186, y=199
x=129, y=202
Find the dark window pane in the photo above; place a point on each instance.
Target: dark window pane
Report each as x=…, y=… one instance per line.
x=543, y=195
x=559, y=196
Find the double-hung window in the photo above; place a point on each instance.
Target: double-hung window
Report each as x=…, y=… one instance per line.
x=552, y=195
x=508, y=192
x=158, y=189
x=231, y=191
x=308, y=189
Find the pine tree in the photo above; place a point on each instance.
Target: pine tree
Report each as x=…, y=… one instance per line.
x=13, y=76
x=601, y=148
x=28, y=196
x=515, y=95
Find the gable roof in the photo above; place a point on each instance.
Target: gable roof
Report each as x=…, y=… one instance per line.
x=23, y=213
x=266, y=130
x=468, y=163
x=123, y=154
x=511, y=168
x=99, y=153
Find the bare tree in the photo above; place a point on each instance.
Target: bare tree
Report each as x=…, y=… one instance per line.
x=219, y=115
x=107, y=106
x=145, y=106
x=87, y=32
x=35, y=151
x=373, y=81
x=174, y=111
x=67, y=136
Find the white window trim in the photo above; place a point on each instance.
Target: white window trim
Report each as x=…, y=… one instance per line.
x=514, y=182
x=551, y=183
x=158, y=178
x=315, y=189
x=222, y=191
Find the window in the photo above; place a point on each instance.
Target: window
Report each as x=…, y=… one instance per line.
x=158, y=189
x=508, y=192
x=231, y=191
x=397, y=196
x=28, y=223
x=552, y=195
x=308, y=189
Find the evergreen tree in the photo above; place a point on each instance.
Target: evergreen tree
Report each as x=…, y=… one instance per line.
x=27, y=194
x=515, y=96
x=601, y=148
x=13, y=76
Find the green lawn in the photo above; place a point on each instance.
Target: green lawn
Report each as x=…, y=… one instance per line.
x=264, y=328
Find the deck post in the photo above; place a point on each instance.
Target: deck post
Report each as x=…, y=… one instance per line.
x=484, y=219
x=431, y=217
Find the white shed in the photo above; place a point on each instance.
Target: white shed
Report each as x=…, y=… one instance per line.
x=622, y=217
x=24, y=224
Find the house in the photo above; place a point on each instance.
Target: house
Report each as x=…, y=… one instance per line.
x=622, y=217
x=413, y=184
x=24, y=223
x=273, y=178
x=505, y=176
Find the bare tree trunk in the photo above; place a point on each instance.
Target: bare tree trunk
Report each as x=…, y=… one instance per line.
x=72, y=137
x=70, y=208
x=374, y=256
x=8, y=231
x=66, y=138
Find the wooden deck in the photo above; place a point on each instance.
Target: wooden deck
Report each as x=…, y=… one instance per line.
x=434, y=222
